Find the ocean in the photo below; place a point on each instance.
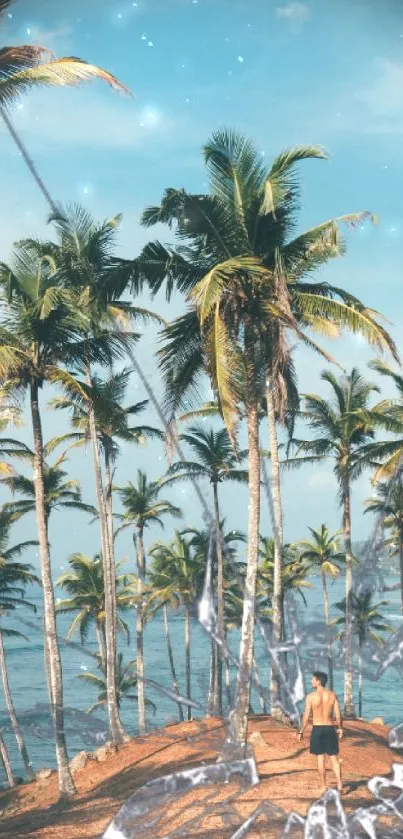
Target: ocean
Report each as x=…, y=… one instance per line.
x=26, y=674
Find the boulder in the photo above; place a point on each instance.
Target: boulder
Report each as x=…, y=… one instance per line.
x=80, y=761
x=43, y=774
x=256, y=739
x=104, y=752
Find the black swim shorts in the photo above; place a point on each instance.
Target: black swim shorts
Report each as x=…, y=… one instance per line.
x=324, y=740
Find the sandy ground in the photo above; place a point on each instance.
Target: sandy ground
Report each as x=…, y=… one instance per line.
x=287, y=778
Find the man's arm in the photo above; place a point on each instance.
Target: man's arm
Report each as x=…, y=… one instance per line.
x=339, y=718
x=305, y=718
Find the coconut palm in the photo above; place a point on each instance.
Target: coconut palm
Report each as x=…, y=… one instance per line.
x=83, y=254
x=59, y=493
x=322, y=553
x=14, y=577
x=142, y=506
x=126, y=683
x=243, y=274
x=28, y=66
x=177, y=573
x=367, y=623
x=84, y=584
x=216, y=462
x=388, y=502
x=342, y=431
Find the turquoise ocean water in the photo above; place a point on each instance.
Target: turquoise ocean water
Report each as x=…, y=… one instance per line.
x=26, y=673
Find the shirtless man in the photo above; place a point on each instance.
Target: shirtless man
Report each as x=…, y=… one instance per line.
x=322, y=704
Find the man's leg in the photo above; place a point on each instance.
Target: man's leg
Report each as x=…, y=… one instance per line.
x=337, y=770
x=322, y=772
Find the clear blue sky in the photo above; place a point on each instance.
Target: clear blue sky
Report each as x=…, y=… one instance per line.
x=284, y=73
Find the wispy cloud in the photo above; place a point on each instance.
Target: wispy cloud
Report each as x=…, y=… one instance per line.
x=296, y=13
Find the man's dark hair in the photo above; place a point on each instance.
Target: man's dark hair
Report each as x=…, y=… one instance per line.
x=322, y=677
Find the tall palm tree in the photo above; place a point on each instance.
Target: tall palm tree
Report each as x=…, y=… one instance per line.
x=41, y=325
x=215, y=462
x=177, y=572
x=322, y=553
x=367, y=623
x=126, y=683
x=243, y=275
x=84, y=584
x=27, y=66
x=59, y=493
x=342, y=431
x=83, y=254
x=14, y=577
x=142, y=506
x=388, y=501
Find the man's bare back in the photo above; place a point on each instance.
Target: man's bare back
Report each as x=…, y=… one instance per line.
x=323, y=706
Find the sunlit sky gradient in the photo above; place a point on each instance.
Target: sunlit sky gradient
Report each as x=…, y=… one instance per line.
x=284, y=73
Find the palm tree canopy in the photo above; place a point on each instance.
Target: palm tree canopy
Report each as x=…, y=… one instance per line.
x=323, y=551
x=215, y=455
x=367, y=620
x=142, y=503
x=238, y=263
x=177, y=572
x=294, y=570
x=126, y=683
x=84, y=584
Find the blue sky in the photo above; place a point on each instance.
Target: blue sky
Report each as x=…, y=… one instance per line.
x=284, y=73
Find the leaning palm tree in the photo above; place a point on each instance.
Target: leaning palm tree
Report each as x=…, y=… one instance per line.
x=341, y=433
x=367, y=623
x=388, y=502
x=142, y=506
x=84, y=584
x=322, y=553
x=243, y=275
x=216, y=462
x=28, y=66
x=14, y=577
x=178, y=573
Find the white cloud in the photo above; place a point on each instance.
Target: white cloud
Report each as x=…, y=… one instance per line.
x=50, y=37
x=321, y=480
x=296, y=12
x=382, y=99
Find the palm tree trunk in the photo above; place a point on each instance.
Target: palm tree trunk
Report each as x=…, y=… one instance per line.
x=100, y=633
x=360, y=680
x=278, y=547
x=327, y=622
x=401, y=562
x=227, y=678
x=11, y=712
x=141, y=573
x=260, y=687
x=220, y=606
x=239, y=720
x=6, y=763
x=171, y=660
x=111, y=541
x=349, y=710
x=187, y=658
x=211, y=703
x=55, y=687
x=117, y=732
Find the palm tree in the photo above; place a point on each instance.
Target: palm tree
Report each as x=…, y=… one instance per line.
x=388, y=502
x=178, y=573
x=367, y=623
x=243, y=275
x=216, y=462
x=14, y=577
x=126, y=683
x=342, y=431
x=84, y=584
x=322, y=553
x=88, y=271
x=27, y=66
x=40, y=329
x=142, y=507
x=59, y=493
